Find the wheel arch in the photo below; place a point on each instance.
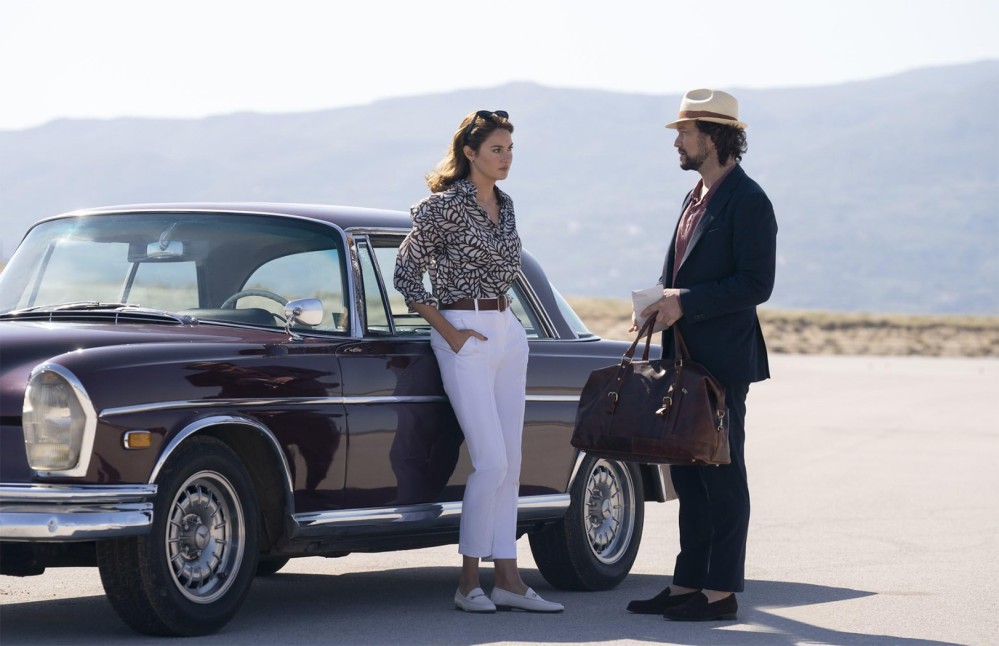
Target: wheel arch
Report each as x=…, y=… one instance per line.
x=656, y=485
x=257, y=447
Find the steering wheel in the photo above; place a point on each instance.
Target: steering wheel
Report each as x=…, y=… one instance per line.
x=230, y=303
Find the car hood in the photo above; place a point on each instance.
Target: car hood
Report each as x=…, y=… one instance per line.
x=29, y=343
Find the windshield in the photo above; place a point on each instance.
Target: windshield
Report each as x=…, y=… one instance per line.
x=227, y=267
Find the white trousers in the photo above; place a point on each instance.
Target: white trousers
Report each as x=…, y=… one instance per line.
x=486, y=382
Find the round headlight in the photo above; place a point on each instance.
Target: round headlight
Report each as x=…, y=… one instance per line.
x=55, y=419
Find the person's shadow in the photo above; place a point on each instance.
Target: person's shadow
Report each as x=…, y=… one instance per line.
x=412, y=606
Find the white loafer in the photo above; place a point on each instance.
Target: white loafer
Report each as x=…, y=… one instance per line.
x=476, y=601
x=530, y=601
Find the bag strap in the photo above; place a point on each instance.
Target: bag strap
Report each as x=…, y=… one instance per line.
x=682, y=353
x=646, y=331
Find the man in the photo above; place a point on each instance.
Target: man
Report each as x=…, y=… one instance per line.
x=719, y=267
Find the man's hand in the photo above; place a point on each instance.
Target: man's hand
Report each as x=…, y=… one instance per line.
x=668, y=309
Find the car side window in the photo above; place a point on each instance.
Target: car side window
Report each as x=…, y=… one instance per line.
x=405, y=322
x=375, y=310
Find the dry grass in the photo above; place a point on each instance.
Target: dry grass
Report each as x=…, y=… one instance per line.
x=806, y=332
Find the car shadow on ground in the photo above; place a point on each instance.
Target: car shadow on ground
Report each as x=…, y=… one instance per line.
x=414, y=606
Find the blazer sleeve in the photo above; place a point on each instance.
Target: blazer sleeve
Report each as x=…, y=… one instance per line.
x=754, y=255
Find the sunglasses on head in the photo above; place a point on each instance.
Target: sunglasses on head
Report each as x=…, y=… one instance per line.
x=483, y=114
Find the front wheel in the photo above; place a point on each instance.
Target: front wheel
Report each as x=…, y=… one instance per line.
x=594, y=546
x=190, y=574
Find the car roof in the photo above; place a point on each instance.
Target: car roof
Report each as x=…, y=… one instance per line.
x=345, y=217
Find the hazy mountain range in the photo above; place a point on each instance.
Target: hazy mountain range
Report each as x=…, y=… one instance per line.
x=886, y=191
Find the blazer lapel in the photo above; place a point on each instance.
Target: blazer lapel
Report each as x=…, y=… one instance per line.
x=715, y=206
x=667, y=278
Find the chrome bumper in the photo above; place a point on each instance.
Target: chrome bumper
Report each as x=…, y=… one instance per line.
x=55, y=513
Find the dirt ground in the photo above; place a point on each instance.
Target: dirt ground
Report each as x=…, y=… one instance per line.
x=807, y=332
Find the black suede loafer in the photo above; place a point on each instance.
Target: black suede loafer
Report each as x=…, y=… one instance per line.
x=697, y=608
x=659, y=603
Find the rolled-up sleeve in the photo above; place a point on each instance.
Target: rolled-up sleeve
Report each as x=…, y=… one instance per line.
x=417, y=254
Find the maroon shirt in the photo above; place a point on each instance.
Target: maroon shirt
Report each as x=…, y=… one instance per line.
x=691, y=216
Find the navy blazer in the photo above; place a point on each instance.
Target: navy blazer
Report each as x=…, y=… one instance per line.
x=729, y=269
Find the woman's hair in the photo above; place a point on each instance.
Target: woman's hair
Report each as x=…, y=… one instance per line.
x=729, y=141
x=474, y=130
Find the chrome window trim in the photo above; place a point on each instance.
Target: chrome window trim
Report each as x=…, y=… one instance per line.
x=535, y=304
x=365, y=242
x=89, y=425
x=358, y=317
x=378, y=231
x=43, y=512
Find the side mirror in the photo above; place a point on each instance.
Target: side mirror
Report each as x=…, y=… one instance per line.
x=304, y=311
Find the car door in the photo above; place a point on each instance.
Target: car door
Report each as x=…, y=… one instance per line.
x=405, y=444
x=404, y=438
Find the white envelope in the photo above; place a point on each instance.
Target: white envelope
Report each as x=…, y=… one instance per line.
x=642, y=298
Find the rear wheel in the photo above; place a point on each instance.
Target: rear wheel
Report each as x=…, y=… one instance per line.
x=595, y=544
x=190, y=575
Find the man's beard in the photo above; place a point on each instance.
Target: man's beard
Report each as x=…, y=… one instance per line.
x=687, y=162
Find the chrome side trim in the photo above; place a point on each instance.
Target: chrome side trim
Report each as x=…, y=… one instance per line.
x=302, y=401
x=89, y=426
x=209, y=422
x=255, y=402
x=571, y=399
x=36, y=512
x=528, y=508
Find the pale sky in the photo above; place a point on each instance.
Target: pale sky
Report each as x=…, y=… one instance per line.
x=192, y=58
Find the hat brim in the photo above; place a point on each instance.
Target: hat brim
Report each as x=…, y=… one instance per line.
x=725, y=122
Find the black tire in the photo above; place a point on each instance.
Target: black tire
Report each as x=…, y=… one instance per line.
x=188, y=576
x=595, y=544
x=270, y=566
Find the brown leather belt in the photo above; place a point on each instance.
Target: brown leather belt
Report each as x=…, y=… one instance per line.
x=481, y=304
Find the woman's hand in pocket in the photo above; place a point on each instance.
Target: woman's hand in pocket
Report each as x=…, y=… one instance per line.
x=460, y=337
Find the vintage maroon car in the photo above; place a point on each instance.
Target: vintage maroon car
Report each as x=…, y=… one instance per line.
x=194, y=394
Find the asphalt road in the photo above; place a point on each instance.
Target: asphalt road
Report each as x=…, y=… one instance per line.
x=875, y=486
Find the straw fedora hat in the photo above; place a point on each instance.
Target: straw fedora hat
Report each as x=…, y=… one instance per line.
x=709, y=105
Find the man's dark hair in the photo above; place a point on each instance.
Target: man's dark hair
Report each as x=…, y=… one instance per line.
x=729, y=141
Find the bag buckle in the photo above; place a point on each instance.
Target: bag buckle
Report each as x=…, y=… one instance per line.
x=667, y=404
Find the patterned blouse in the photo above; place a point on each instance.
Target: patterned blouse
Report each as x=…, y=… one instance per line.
x=453, y=239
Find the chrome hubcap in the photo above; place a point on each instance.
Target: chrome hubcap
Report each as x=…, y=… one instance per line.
x=610, y=510
x=204, y=537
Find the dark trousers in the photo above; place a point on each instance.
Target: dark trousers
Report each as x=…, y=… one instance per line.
x=714, y=512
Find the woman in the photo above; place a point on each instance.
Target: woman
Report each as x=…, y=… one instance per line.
x=464, y=234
